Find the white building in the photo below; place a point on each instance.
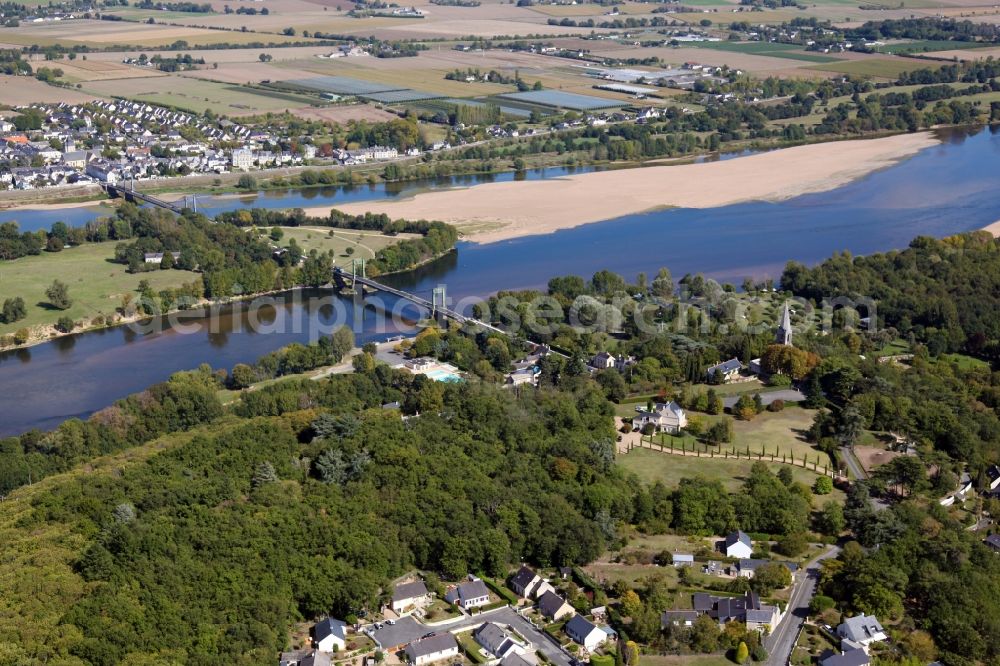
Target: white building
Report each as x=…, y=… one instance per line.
x=432, y=648
x=585, y=633
x=330, y=635
x=861, y=631
x=407, y=595
x=738, y=544
x=242, y=159
x=665, y=417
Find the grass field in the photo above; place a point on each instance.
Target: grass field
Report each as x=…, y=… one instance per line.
x=651, y=466
x=926, y=45
x=95, y=284
x=882, y=68
x=364, y=243
x=771, y=49
x=198, y=95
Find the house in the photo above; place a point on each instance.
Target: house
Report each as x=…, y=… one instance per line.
x=330, y=635
x=430, y=649
x=316, y=659
x=665, y=417
x=682, y=559
x=993, y=541
x=470, y=594
x=861, y=630
x=848, y=658
x=76, y=159
x=408, y=595
x=157, y=257
x=584, y=632
x=496, y=641
x=554, y=607
x=993, y=476
x=678, y=618
x=528, y=584
x=747, y=568
x=242, y=159
x=747, y=609
x=106, y=172
x=783, y=336
x=603, y=360
x=738, y=545
x=517, y=660
x=724, y=372
x=522, y=376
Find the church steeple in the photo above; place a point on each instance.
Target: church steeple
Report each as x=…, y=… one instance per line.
x=783, y=336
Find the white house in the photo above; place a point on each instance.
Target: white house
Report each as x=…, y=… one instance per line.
x=603, y=360
x=330, y=635
x=861, y=630
x=496, y=641
x=554, y=607
x=585, y=633
x=723, y=372
x=242, y=159
x=665, y=417
x=529, y=584
x=470, y=594
x=738, y=545
x=430, y=649
x=682, y=559
x=407, y=595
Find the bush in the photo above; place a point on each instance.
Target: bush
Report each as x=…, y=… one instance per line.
x=65, y=324
x=821, y=603
x=58, y=295
x=21, y=336
x=776, y=405
x=823, y=485
x=793, y=544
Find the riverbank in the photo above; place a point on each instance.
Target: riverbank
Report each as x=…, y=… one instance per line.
x=993, y=229
x=499, y=211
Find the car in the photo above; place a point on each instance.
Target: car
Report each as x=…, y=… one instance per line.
x=390, y=622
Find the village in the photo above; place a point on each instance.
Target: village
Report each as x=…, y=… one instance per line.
x=113, y=141
x=548, y=616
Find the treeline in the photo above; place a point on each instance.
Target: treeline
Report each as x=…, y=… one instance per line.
x=928, y=28
x=187, y=7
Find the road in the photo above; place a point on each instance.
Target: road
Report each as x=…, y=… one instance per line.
x=779, y=645
x=507, y=616
x=852, y=463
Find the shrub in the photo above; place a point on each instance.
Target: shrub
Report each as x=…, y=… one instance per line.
x=21, y=336
x=776, y=405
x=823, y=485
x=65, y=324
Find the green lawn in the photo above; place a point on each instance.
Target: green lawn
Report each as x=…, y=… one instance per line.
x=364, y=244
x=769, y=49
x=651, y=466
x=925, y=45
x=96, y=285
x=878, y=67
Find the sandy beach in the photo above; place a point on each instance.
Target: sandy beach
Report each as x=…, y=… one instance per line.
x=499, y=211
x=993, y=229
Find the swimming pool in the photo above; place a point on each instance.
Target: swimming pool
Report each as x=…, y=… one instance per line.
x=443, y=376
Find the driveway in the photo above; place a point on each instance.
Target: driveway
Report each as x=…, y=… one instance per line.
x=779, y=645
x=507, y=616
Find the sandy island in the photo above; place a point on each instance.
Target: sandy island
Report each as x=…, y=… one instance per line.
x=499, y=211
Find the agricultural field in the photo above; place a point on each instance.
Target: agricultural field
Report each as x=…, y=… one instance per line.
x=102, y=34
x=926, y=46
x=879, y=68
x=18, y=90
x=197, y=95
x=967, y=54
x=345, y=113
x=770, y=49
x=100, y=293
x=85, y=71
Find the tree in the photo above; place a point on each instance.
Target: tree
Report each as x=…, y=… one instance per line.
x=742, y=653
x=663, y=284
x=771, y=576
x=793, y=544
x=705, y=634
x=277, y=234
x=714, y=402
x=820, y=603
x=631, y=605
x=242, y=376
x=58, y=295
x=247, y=182
x=54, y=244
x=13, y=310
x=341, y=343
x=823, y=485
x=65, y=324
x=264, y=474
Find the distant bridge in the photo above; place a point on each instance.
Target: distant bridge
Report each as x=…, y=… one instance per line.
x=129, y=193
x=436, y=307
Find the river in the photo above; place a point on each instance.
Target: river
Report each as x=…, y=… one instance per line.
x=943, y=190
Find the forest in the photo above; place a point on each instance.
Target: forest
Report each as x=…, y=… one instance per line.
x=217, y=527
